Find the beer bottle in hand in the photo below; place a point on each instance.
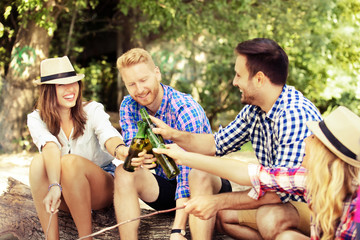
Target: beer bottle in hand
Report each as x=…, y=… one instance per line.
x=168, y=164
x=136, y=146
x=145, y=117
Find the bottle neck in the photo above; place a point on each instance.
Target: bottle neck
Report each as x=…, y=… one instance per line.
x=155, y=142
x=141, y=130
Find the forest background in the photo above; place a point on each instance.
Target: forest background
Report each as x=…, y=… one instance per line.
x=192, y=41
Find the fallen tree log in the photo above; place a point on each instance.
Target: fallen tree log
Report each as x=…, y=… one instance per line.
x=18, y=219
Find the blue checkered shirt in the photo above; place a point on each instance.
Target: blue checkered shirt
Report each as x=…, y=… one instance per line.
x=277, y=137
x=179, y=111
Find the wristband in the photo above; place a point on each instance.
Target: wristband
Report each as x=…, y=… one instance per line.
x=181, y=231
x=121, y=144
x=55, y=184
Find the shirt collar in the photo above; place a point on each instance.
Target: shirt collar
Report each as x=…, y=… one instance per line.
x=278, y=103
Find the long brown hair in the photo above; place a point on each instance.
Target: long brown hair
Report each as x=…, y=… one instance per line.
x=48, y=108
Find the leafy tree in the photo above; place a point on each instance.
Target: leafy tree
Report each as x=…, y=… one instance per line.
x=31, y=43
x=192, y=41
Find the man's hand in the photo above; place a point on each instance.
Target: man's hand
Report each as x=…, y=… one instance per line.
x=144, y=160
x=162, y=128
x=203, y=207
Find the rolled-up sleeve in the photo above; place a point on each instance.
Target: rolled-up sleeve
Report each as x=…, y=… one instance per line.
x=39, y=131
x=101, y=125
x=286, y=180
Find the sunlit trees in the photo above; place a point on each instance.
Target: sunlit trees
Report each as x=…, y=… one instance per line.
x=191, y=40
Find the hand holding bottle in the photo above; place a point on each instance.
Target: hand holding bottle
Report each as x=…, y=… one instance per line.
x=136, y=147
x=168, y=165
x=163, y=129
x=143, y=160
x=175, y=152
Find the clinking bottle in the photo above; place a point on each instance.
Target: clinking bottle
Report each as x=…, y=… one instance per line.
x=145, y=117
x=168, y=164
x=136, y=146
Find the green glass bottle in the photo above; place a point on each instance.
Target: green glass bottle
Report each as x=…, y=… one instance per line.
x=168, y=164
x=145, y=117
x=136, y=146
x=148, y=147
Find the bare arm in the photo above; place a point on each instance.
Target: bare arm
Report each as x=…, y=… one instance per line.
x=231, y=169
x=196, y=142
x=51, y=156
x=205, y=207
x=112, y=144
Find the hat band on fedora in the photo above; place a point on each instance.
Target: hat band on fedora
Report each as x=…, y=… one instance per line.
x=335, y=142
x=58, y=75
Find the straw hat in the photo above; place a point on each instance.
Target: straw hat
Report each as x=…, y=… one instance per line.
x=340, y=132
x=58, y=71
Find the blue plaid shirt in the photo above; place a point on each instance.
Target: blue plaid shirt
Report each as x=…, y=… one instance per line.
x=277, y=137
x=179, y=111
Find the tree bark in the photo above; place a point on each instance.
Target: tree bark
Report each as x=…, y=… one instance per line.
x=18, y=218
x=17, y=97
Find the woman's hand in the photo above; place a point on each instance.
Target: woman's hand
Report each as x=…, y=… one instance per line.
x=175, y=152
x=121, y=152
x=52, y=200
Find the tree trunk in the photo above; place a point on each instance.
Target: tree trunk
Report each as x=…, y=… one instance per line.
x=17, y=97
x=18, y=219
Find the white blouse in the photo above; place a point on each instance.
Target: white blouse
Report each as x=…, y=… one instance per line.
x=90, y=145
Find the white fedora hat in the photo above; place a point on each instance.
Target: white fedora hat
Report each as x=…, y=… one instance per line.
x=340, y=133
x=57, y=71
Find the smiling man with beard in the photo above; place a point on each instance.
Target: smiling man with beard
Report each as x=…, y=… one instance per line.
x=142, y=79
x=274, y=121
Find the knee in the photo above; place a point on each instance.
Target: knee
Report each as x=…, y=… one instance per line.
x=221, y=221
x=70, y=166
x=286, y=235
x=123, y=179
x=272, y=221
x=199, y=179
x=36, y=169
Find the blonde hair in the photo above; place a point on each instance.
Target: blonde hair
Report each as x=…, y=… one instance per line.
x=134, y=56
x=328, y=184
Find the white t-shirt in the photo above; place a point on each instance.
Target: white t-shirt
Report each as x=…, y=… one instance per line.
x=90, y=145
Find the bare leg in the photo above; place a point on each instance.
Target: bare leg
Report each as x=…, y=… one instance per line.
x=274, y=219
x=291, y=234
x=128, y=187
x=228, y=223
x=202, y=183
x=39, y=188
x=85, y=187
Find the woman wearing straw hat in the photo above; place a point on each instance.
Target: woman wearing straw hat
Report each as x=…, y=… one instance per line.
x=77, y=143
x=328, y=177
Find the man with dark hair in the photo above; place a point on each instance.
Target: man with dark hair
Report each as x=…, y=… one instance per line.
x=274, y=121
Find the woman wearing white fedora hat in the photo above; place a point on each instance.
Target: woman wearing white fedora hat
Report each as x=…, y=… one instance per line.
x=77, y=143
x=328, y=177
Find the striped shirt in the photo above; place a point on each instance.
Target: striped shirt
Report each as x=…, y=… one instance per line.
x=292, y=180
x=179, y=111
x=277, y=137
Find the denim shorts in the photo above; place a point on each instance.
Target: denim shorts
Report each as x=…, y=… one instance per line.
x=110, y=168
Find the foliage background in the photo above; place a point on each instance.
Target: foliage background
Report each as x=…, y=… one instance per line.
x=193, y=41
